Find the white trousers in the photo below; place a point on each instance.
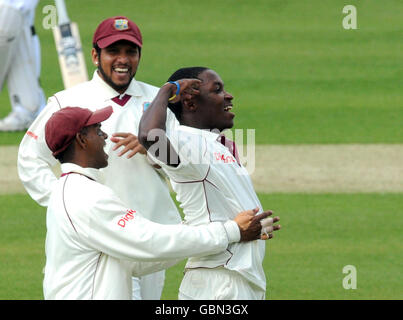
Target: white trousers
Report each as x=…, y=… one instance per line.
x=20, y=61
x=148, y=287
x=217, y=284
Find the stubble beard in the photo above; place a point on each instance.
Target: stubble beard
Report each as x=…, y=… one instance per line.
x=109, y=81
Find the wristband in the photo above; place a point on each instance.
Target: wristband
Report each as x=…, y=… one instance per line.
x=178, y=89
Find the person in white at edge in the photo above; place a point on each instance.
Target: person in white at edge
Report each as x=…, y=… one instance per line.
x=210, y=183
x=20, y=63
x=117, y=45
x=95, y=243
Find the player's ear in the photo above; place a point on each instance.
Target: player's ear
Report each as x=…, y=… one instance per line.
x=189, y=104
x=95, y=58
x=81, y=140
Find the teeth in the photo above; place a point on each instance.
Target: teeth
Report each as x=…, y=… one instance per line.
x=121, y=69
x=227, y=108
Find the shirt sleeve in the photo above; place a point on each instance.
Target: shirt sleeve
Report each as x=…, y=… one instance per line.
x=191, y=151
x=35, y=160
x=142, y=268
x=124, y=233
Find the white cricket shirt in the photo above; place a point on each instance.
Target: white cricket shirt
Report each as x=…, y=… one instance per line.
x=212, y=186
x=95, y=244
x=134, y=180
x=27, y=8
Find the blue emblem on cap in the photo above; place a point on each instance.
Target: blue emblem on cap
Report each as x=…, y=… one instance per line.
x=121, y=24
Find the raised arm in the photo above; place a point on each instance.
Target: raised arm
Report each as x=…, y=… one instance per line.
x=152, y=124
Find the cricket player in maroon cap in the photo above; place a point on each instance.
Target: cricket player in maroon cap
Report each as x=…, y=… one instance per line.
x=116, y=53
x=94, y=242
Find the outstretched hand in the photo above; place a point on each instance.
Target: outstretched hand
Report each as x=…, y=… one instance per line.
x=254, y=226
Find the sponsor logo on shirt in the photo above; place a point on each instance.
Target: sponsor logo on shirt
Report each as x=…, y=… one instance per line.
x=33, y=135
x=127, y=217
x=220, y=157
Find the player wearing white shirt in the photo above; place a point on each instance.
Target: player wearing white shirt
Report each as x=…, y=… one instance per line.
x=210, y=183
x=95, y=243
x=116, y=53
x=20, y=63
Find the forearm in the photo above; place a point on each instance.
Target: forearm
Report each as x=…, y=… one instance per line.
x=156, y=114
x=152, y=127
x=132, y=237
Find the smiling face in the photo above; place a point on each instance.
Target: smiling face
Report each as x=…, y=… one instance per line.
x=117, y=64
x=95, y=153
x=214, y=104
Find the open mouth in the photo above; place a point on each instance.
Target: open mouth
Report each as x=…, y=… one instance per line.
x=227, y=108
x=121, y=70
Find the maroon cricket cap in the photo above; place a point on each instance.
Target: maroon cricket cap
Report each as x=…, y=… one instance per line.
x=115, y=29
x=63, y=125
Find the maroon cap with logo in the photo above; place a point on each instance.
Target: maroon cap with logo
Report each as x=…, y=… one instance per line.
x=63, y=125
x=115, y=29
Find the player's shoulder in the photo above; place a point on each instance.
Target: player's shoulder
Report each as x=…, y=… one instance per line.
x=74, y=94
x=186, y=139
x=86, y=188
x=100, y=197
x=190, y=132
x=147, y=88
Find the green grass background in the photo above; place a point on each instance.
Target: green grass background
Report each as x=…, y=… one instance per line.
x=321, y=234
x=298, y=78
x=296, y=74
